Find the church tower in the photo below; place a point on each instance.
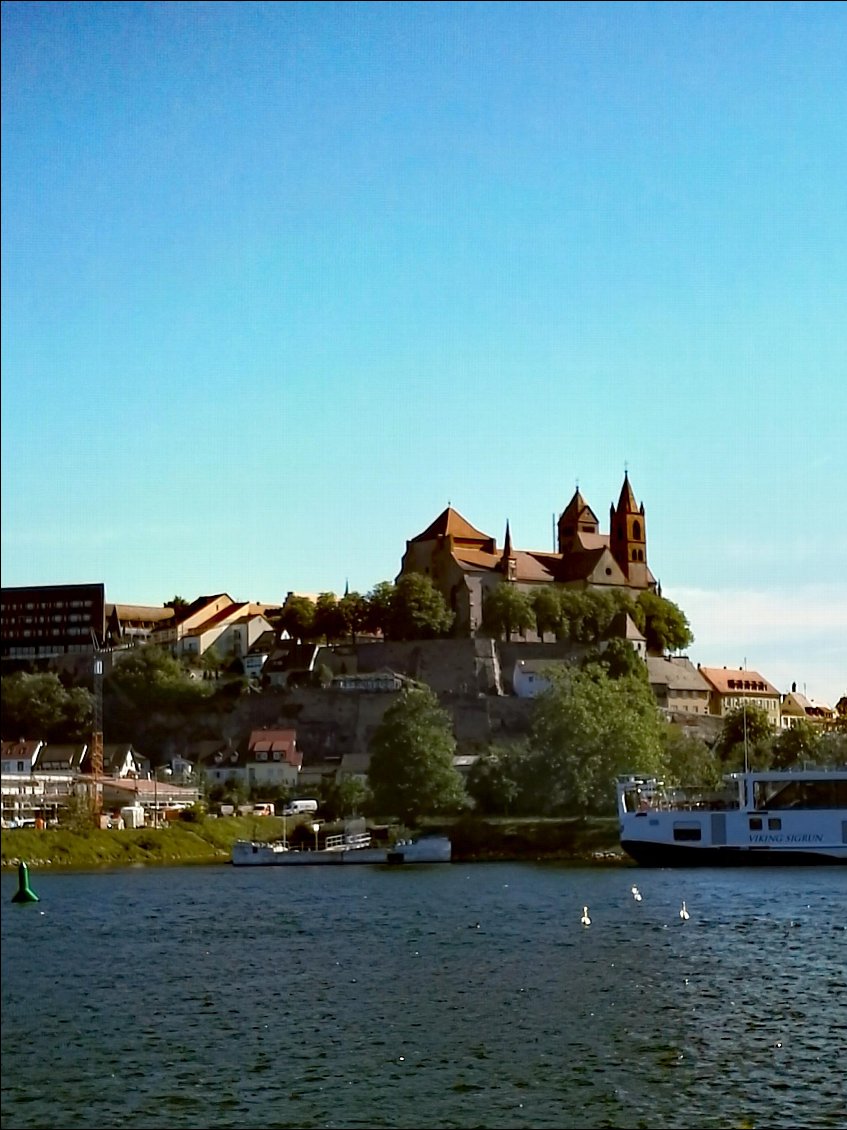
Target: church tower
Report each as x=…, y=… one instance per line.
x=577, y=518
x=628, y=537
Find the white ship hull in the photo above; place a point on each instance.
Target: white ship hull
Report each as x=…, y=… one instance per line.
x=429, y=849
x=775, y=818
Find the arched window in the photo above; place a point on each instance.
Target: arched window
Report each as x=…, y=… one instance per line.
x=636, y=530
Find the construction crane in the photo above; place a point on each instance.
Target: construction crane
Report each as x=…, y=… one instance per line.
x=97, y=732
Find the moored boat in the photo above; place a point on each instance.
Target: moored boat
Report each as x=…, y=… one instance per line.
x=791, y=816
x=356, y=848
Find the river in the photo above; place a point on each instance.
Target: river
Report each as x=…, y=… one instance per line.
x=460, y=995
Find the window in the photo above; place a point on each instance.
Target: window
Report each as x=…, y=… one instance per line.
x=774, y=823
x=686, y=832
x=755, y=823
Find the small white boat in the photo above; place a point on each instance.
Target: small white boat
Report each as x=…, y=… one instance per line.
x=791, y=816
x=356, y=848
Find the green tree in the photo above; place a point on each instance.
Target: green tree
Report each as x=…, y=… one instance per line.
x=378, y=604
x=832, y=750
x=688, y=759
x=150, y=699
x=587, y=730
x=547, y=606
x=619, y=658
x=663, y=623
x=353, y=610
x=411, y=769
x=153, y=679
x=298, y=617
x=496, y=780
x=418, y=610
x=329, y=620
x=746, y=733
x=586, y=615
x=40, y=706
x=78, y=814
x=341, y=799
x=794, y=746
x=506, y=609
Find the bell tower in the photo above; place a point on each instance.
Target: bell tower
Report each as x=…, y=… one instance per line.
x=628, y=537
x=577, y=518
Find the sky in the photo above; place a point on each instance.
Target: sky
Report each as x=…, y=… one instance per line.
x=282, y=281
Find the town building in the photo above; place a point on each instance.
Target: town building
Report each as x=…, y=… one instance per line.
x=731, y=688
x=677, y=685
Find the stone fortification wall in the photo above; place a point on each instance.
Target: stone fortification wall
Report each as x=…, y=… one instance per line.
x=465, y=674
x=459, y=666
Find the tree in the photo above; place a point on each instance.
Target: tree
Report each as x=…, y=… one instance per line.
x=418, y=610
x=794, y=746
x=298, y=617
x=507, y=609
x=547, y=607
x=832, y=750
x=688, y=760
x=343, y=798
x=353, y=611
x=150, y=699
x=586, y=615
x=378, y=608
x=619, y=658
x=178, y=604
x=496, y=780
x=746, y=735
x=411, y=769
x=328, y=619
x=153, y=679
x=664, y=624
x=587, y=730
x=39, y=706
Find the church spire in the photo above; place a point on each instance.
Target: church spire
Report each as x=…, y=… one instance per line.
x=508, y=562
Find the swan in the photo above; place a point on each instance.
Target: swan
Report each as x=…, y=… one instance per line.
x=585, y=920
x=683, y=912
x=636, y=894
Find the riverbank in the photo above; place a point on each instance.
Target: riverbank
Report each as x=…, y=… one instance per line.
x=210, y=841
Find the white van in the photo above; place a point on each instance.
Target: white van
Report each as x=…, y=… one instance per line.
x=295, y=807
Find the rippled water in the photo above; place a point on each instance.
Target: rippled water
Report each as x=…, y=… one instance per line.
x=446, y=996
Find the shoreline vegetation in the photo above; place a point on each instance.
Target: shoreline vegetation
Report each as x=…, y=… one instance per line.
x=475, y=840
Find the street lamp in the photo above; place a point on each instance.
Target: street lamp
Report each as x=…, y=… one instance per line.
x=316, y=828
x=168, y=772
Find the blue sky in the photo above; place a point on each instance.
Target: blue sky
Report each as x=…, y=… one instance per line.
x=281, y=281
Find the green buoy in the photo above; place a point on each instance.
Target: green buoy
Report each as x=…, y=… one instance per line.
x=25, y=893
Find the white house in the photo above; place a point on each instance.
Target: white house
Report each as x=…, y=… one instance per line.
x=530, y=676
x=272, y=758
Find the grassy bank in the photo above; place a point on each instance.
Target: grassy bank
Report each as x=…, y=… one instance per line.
x=210, y=841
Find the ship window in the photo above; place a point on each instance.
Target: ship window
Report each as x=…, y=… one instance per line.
x=687, y=832
x=755, y=823
x=774, y=823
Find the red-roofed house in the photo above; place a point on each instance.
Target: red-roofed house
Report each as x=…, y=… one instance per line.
x=731, y=687
x=272, y=759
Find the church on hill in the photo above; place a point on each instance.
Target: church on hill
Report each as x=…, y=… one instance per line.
x=465, y=564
